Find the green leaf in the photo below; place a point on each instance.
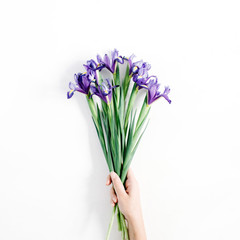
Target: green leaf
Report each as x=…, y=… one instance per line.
x=100, y=137
x=121, y=107
x=104, y=107
x=112, y=132
x=92, y=107
x=129, y=158
x=126, y=82
x=130, y=135
x=140, y=124
x=130, y=104
x=145, y=107
x=108, y=144
x=116, y=75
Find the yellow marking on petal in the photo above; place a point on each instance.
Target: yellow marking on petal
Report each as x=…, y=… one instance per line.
x=140, y=76
x=85, y=73
x=135, y=68
x=70, y=91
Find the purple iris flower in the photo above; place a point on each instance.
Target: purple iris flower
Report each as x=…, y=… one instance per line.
x=82, y=84
x=153, y=91
x=165, y=94
x=141, y=78
x=110, y=62
x=139, y=66
x=103, y=90
x=140, y=81
x=91, y=67
x=130, y=61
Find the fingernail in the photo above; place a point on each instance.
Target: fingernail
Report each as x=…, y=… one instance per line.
x=113, y=204
x=114, y=199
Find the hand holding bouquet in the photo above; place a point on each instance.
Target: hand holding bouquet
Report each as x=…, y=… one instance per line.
x=118, y=123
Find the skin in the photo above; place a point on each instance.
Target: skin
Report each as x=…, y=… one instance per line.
x=128, y=200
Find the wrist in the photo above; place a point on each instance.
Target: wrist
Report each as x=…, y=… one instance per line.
x=136, y=227
x=135, y=218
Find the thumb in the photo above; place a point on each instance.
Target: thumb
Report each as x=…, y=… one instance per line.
x=118, y=186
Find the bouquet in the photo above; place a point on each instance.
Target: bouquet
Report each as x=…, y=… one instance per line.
x=119, y=125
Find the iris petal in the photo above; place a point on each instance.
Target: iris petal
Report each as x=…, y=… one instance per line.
x=71, y=86
x=70, y=94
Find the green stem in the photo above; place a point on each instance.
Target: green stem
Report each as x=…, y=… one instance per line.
x=119, y=219
x=111, y=223
x=143, y=112
x=125, y=230
x=92, y=107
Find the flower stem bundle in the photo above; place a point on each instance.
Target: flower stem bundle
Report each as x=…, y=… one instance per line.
x=119, y=125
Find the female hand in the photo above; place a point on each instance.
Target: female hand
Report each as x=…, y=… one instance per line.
x=128, y=200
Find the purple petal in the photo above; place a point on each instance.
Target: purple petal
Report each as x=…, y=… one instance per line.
x=106, y=60
x=99, y=59
x=76, y=77
x=91, y=77
x=165, y=94
x=167, y=90
x=138, y=63
x=146, y=65
x=120, y=59
x=93, y=89
x=70, y=94
x=72, y=86
x=131, y=57
x=114, y=54
x=130, y=62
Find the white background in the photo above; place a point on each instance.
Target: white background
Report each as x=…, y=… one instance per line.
x=52, y=170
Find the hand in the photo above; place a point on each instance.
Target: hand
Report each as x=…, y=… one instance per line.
x=128, y=200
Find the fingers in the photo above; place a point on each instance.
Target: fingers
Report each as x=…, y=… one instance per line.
x=130, y=178
x=131, y=183
x=113, y=197
x=108, y=182
x=130, y=174
x=118, y=186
